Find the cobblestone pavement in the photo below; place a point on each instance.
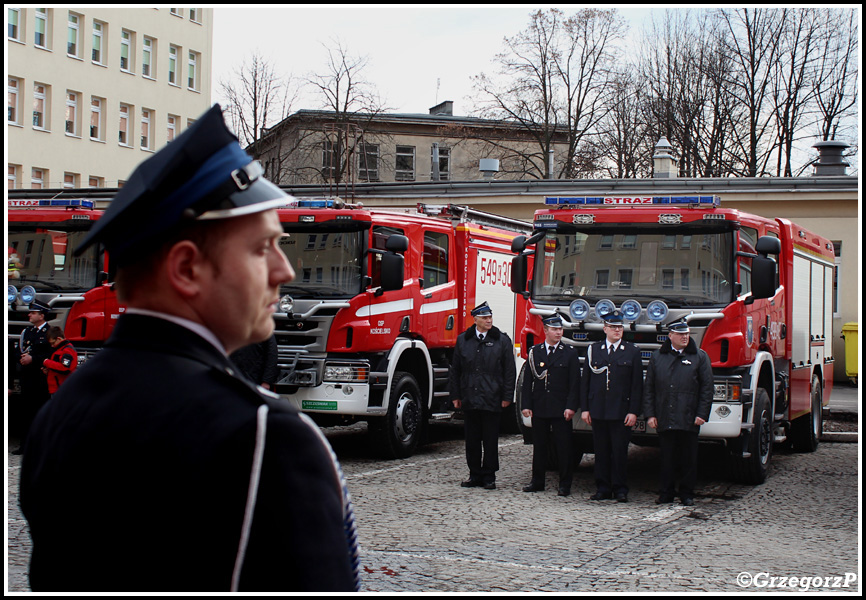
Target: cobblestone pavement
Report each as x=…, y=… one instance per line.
x=421, y=532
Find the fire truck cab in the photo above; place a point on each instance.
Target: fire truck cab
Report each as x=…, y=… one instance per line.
x=757, y=294
x=367, y=329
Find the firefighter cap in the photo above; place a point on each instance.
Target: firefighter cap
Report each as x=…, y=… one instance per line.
x=37, y=306
x=680, y=326
x=482, y=310
x=614, y=317
x=554, y=321
x=203, y=174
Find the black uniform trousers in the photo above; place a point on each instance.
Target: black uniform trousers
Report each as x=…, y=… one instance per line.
x=610, y=438
x=679, y=452
x=481, y=428
x=561, y=434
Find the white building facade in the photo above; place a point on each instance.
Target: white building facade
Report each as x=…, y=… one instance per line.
x=92, y=92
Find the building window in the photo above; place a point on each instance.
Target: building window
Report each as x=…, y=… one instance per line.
x=12, y=176
x=95, y=182
x=177, y=12
x=40, y=38
x=172, y=64
x=37, y=178
x=172, y=127
x=96, y=52
x=95, y=118
x=330, y=160
x=368, y=162
x=125, y=51
x=40, y=99
x=192, y=78
x=444, y=163
x=147, y=57
x=71, y=113
x=70, y=180
x=195, y=15
x=12, y=95
x=405, y=167
x=145, y=129
x=12, y=30
x=123, y=130
x=72, y=48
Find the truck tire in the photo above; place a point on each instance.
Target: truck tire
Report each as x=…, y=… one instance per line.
x=807, y=430
x=399, y=432
x=753, y=470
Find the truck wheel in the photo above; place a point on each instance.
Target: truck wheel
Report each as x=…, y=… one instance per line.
x=806, y=430
x=399, y=432
x=753, y=470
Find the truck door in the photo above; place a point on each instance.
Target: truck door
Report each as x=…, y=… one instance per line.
x=438, y=311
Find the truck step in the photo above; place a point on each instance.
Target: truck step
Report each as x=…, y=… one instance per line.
x=441, y=416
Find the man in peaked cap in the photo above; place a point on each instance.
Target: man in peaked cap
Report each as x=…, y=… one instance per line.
x=33, y=349
x=157, y=466
x=550, y=397
x=612, y=390
x=678, y=396
x=482, y=384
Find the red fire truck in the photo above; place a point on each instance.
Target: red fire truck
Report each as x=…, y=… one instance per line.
x=368, y=328
x=757, y=294
x=42, y=236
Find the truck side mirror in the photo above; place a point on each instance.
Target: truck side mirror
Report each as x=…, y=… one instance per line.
x=764, y=272
x=393, y=268
x=518, y=244
x=518, y=273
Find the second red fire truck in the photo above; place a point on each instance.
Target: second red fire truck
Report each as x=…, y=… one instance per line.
x=757, y=294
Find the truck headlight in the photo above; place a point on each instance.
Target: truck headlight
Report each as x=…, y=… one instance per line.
x=602, y=307
x=27, y=294
x=657, y=311
x=11, y=294
x=579, y=310
x=346, y=373
x=725, y=391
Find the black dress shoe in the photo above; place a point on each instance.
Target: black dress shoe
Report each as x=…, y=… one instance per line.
x=621, y=497
x=471, y=483
x=601, y=496
x=688, y=501
x=533, y=487
x=665, y=499
x=490, y=485
x=564, y=491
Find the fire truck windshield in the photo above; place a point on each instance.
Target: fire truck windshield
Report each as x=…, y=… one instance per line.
x=45, y=258
x=693, y=268
x=327, y=264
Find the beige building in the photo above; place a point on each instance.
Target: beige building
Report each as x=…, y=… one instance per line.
x=314, y=147
x=94, y=91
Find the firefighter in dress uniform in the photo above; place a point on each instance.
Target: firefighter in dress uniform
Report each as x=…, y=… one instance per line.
x=157, y=466
x=550, y=397
x=33, y=349
x=611, y=396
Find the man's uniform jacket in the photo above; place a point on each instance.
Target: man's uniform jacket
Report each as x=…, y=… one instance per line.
x=136, y=477
x=618, y=390
x=548, y=398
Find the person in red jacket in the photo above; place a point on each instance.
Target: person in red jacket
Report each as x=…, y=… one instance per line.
x=63, y=360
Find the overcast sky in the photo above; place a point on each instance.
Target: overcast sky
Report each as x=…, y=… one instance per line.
x=418, y=55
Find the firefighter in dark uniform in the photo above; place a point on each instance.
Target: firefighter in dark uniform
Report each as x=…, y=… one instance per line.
x=678, y=397
x=481, y=385
x=612, y=392
x=550, y=397
x=33, y=348
x=156, y=467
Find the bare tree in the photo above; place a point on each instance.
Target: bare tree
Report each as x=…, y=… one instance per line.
x=256, y=97
x=551, y=84
x=355, y=104
x=835, y=84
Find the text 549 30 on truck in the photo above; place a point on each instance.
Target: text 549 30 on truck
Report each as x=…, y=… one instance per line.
x=368, y=328
x=756, y=292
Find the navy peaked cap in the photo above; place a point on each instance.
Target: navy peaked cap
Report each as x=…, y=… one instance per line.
x=203, y=174
x=680, y=326
x=38, y=306
x=614, y=317
x=481, y=310
x=554, y=321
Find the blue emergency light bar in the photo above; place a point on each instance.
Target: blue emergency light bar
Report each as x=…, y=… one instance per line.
x=315, y=204
x=630, y=200
x=77, y=202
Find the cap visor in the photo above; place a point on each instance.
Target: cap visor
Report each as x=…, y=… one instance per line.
x=260, y=196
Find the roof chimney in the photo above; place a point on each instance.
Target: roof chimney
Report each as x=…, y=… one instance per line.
x=664, y=162
x=830, y=160
x=445, y=109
